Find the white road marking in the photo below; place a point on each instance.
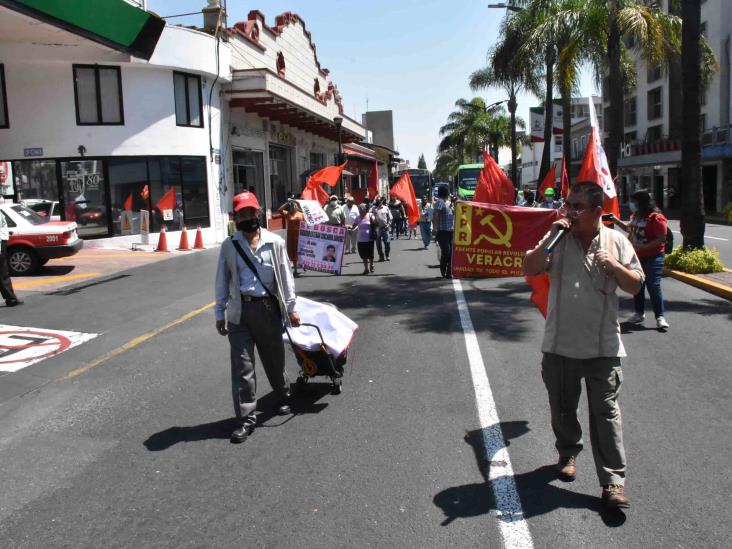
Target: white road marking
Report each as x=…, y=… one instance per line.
x=22, y=346
x=512, y=524
x=705, y=236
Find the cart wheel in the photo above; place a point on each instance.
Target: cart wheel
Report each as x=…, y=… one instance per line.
x=337, y=386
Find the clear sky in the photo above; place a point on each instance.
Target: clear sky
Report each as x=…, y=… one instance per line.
x=413, y=57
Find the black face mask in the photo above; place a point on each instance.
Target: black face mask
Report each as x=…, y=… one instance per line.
x=248, y=225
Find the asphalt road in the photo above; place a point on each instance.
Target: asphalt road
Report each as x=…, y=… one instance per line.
x=134, y=452
x=715, y=236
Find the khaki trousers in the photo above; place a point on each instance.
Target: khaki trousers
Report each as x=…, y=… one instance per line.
x=603, y=376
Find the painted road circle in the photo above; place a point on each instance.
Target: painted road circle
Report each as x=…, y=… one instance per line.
x=22, y=346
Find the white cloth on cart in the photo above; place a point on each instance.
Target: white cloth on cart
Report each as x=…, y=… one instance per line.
x=337, y=329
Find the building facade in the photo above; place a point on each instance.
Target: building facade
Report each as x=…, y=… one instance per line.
x=652, y=114
x=99, y=130
x=286, y=116
x=532, y=151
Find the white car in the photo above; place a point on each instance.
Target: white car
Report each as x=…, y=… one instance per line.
x=34, y=239
x=48, y=209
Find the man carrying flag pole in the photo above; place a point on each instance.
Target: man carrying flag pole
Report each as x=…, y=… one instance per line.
x=582, y=333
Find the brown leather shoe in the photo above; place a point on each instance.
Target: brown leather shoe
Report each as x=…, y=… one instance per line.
x=613, y=497
x=567, y=468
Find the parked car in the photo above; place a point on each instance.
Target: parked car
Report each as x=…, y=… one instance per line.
x=48, y=209
x=34, y=239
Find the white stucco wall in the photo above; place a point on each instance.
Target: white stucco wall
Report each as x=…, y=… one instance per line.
x=42, y=112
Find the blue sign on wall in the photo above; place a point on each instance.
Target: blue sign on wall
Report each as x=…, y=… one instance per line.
x=37, y=151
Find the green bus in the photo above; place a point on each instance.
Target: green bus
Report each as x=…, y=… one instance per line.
x=466, y=180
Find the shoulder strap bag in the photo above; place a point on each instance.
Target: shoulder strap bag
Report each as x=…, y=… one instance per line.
x=252, y=267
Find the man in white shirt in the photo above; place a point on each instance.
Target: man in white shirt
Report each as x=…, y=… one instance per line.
x=350, y=213
x=253, y=298
x=384, y=222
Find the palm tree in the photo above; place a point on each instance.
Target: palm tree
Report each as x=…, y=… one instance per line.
x=692, y=209
x=473, y=127
x=571, y=47
x=513, y=74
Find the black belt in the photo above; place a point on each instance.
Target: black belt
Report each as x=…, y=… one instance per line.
x=251, y=298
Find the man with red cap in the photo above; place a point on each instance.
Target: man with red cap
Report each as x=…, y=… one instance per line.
x=255, y=294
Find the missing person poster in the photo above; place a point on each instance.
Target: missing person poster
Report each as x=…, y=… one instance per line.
x=313, y=211
x=320, y=248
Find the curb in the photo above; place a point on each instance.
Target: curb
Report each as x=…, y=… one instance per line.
x=720, y=290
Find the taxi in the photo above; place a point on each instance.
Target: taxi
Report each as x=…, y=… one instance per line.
x=34, y=239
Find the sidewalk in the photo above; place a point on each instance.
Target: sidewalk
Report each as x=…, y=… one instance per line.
x=719, y=284
x=89, y=265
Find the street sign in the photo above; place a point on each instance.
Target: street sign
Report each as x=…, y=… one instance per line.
x=21, y=346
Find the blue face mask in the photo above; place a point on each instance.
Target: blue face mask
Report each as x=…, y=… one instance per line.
x=633, y=207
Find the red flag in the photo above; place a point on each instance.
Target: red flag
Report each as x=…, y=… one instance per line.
x=127, y=206
x=145, y=193
x=404, y=191
x=565, y=179
x=496, y=187
x=315, y=192
x=594, y=168
x=373, y=185
x=539, y=291
x=328, y=175
x=167, y=202
x=549, y=179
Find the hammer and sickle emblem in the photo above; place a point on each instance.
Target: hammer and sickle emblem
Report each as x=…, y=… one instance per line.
x=502, y=239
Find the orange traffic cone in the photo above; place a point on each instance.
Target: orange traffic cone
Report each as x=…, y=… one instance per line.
x=198, y=244
x=162, y=241
x=183, y=246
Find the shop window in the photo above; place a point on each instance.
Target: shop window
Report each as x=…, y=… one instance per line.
x=166, y=196
x=188, y=102
x=4, y=122
x=655, y=103
x=280, y=160
x=98, y=95
x=35, y=180
x=249, y=173
x=630, y=137
x=178, y=185
x=195, y=192
x=128, y=190
x=84, y=196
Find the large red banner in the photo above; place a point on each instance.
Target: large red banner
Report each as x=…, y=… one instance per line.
x=491, y=239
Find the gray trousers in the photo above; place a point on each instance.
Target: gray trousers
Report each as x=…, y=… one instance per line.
x=603, y=377
x=260, y=327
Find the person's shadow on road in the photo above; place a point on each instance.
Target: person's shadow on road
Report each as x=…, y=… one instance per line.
x=538, y=496
x=305, y=402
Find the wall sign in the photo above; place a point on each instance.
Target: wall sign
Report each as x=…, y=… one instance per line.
x=35, y=151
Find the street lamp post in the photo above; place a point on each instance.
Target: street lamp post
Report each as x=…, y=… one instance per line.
x=338, y=121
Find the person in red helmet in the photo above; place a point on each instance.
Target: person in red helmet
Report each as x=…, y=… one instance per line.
x=255, y=294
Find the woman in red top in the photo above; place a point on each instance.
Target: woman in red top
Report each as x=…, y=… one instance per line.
x=647, y=232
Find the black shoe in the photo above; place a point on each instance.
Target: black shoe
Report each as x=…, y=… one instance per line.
x=13, y=302
x=283, y=408
x=387, y=258
x=381, y=260
x=241, y=433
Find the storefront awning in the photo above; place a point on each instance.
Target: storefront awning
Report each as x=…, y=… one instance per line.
x=265, y=93
x=113, y=23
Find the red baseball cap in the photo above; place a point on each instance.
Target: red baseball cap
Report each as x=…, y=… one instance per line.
x=245, y=200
